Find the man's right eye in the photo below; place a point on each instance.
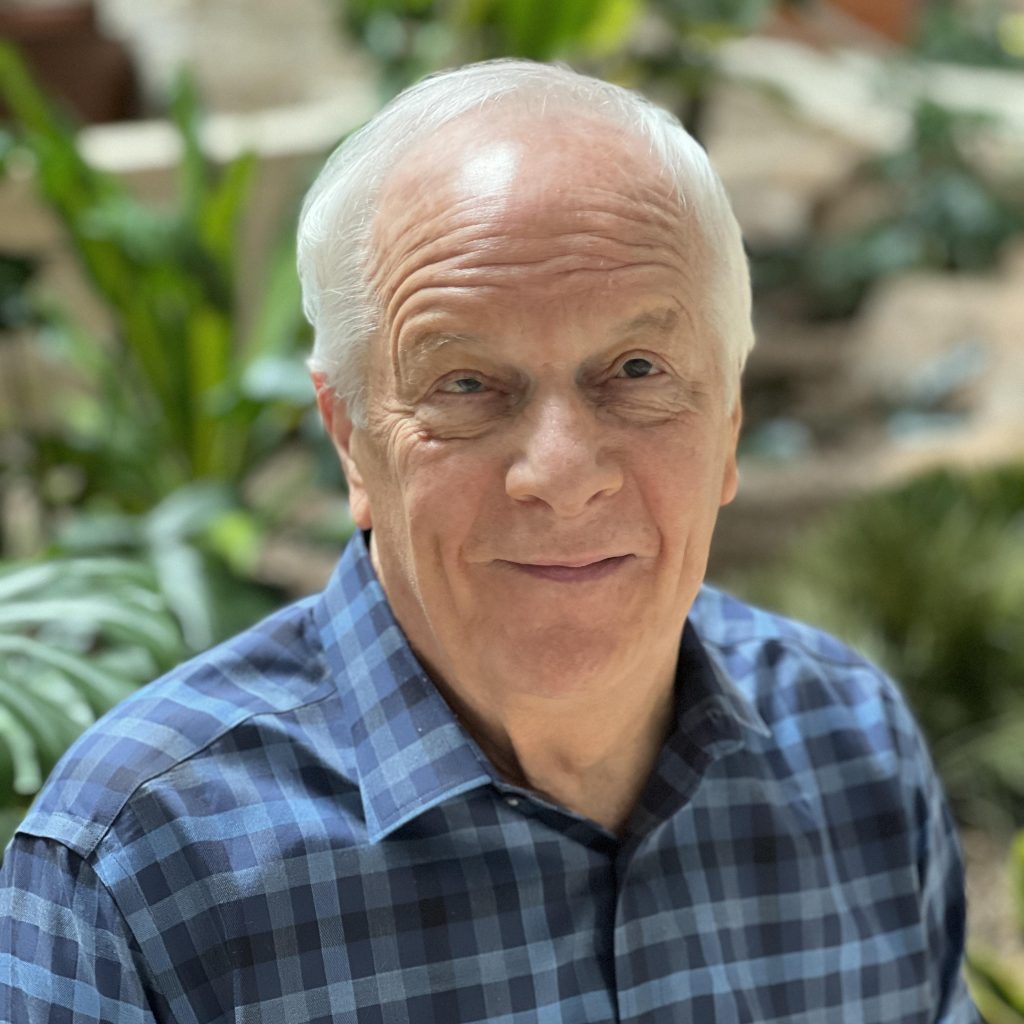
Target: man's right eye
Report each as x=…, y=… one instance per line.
x=463, y=386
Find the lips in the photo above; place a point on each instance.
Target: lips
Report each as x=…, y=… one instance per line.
x=574, y=571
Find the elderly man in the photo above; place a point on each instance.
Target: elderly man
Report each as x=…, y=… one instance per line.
x=514, y=764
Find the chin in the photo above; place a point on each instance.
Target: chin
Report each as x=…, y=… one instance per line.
x=559, y=661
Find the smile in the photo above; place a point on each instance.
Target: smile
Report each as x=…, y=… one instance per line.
x=557, y=573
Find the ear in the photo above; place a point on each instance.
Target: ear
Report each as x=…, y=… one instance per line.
x=731, y=473
x=338, y=424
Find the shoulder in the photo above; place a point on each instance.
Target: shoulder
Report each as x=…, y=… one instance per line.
x=728, y=623
x=842, y=765
x=839, y=739
x=810, y=689
x=268, y=671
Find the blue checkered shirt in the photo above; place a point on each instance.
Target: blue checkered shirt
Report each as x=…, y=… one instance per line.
x=294, y=828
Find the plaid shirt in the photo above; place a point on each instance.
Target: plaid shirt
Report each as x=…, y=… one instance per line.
x=293, y=828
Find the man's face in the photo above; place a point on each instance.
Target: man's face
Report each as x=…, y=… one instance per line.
x=547, y=440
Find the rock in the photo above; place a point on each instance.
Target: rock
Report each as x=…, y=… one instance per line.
x=946, y=348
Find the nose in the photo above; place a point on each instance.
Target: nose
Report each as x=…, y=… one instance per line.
x=562, y=458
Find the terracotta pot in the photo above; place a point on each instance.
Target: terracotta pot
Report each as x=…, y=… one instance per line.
x=88, y=72
x=895, y=19
x=847, y=22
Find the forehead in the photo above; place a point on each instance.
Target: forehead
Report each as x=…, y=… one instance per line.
x=486, y=151
x=520, y=205
x=524, y=170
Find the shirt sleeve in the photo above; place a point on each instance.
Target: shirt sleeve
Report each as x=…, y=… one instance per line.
x=66, y=952
x=944, y=916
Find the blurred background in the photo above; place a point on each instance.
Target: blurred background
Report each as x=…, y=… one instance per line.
x=164, y=481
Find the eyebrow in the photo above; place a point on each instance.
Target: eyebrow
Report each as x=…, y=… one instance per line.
x=662, y=322
x=431, y=341
x=658, y=321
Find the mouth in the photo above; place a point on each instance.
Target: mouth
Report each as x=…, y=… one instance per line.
x=571, y=572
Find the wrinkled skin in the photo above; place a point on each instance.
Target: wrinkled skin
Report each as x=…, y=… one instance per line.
x=547, y=441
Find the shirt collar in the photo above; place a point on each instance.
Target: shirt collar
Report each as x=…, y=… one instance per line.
x=411, y=753
x=706, y=689
x=713, y=719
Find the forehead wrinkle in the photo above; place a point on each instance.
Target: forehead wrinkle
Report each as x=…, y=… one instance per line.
x=412, y=299
x=471, y=239
x=426, y=342
x=467, y=225
x=559, y=277
x=661, y=321
x=486, y=259
x=567, y=222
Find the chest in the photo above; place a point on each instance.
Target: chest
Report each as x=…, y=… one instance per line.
x=737, y=909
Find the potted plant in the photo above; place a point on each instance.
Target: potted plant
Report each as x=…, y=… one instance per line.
x=63, y=44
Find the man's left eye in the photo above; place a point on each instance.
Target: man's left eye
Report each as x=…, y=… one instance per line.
x=638, y=367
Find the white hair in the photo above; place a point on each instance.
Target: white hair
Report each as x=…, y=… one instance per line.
x=334, y=237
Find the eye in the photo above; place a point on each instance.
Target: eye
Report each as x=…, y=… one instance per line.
x=639, y=367
x=462, y=386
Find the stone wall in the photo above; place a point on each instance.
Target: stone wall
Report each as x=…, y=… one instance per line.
x=246, y=54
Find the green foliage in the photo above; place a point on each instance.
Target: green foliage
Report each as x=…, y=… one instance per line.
x=542, y=30
x=147, y=472
x=76, y=636
x=201, y=548
x=989, y=33
x=16, y=271
x=1017, y=878
x=168, y=398
x=714, y=18
x=928, y=579
x=995, y=986
x=163, y=427
x=676, y=58
x=144, y=471
x=937, y=209
x=409, y=38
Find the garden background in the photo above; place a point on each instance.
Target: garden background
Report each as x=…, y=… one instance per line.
x=163, y=478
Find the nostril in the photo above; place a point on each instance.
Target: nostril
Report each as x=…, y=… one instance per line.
x=563, y=458
x=567, y=488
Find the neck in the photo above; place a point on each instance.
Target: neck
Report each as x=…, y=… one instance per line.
x=592, y=756
x=590, y=748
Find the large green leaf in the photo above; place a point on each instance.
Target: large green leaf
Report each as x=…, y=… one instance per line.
x=995, y=987
x=1017, y=878
x=170, y=379
x=101, y=688
x=542, y=30
x=62, y=626
x=47, y=728
x=222, y=207
x=279, y=326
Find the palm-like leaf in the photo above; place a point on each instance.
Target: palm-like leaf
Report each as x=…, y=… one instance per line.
x=76, y=636
x=172, y=381
x=995, y=986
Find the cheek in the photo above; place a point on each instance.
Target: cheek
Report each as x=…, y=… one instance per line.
x=448, y=491
x=682, y=484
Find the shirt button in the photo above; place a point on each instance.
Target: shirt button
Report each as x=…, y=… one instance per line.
x=512, y=801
